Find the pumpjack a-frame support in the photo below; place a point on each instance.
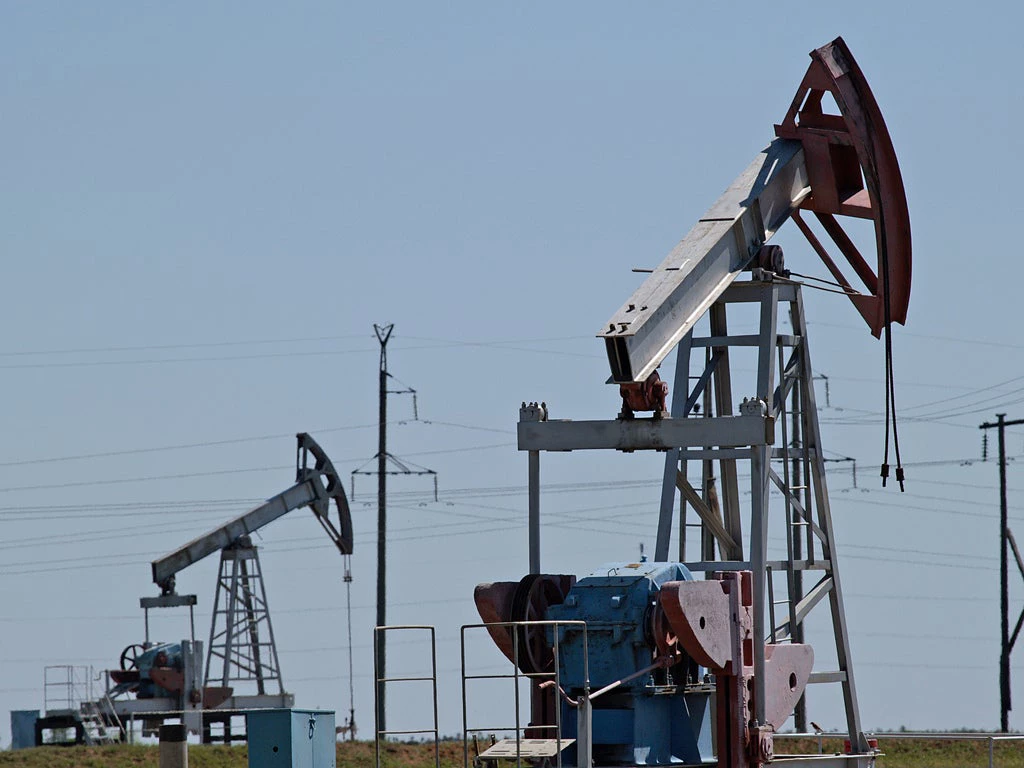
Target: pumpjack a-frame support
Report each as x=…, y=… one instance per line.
x=776, y=431
x=241, y=634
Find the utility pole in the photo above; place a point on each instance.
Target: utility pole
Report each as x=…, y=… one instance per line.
x=384, y=458
x=383, y=334
x=1005, y=541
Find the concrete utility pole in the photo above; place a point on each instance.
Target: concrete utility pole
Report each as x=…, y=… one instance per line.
x=383, y=334
x=399, y=467
x=1005, y=540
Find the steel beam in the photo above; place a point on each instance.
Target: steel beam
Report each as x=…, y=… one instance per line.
x=681, y=404
x=730, y=496
x=707, y=516
x=645, y=434
x=701, y=267
x=818, y=483
x=534, y=510
x=298, y=495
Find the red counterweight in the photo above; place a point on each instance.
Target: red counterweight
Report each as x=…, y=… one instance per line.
x=714, y=623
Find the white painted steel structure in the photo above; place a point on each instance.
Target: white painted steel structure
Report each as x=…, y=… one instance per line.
x=774, y=430
x=642, y=333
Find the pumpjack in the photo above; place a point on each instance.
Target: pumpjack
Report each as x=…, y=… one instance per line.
x=158, y=679
x=629, y=663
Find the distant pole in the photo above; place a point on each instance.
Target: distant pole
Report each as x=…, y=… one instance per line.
x=1006, y=644
x=383, y=334
x=1004, y=587
x=398, y=467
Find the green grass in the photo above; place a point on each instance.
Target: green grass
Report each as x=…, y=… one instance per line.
x=899, y=753
x=122, y=756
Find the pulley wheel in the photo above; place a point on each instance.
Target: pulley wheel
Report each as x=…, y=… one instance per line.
x=530, y=602
x=130, y=656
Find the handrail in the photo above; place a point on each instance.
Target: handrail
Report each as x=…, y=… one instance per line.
x=991, y=738
x=516, y=675
x=381, y=681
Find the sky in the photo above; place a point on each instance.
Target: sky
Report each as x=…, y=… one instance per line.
x=206, y=209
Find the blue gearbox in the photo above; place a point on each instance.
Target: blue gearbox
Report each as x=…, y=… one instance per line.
x=660, y=717
x=137, y=665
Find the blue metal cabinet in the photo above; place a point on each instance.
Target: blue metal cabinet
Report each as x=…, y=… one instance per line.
x=23, y=728
x=291, y=738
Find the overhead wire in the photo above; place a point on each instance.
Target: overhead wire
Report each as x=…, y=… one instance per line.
x=216, y=472
x=958, y=340
x=180, y=345
x=237, y=440
x=179, y=446
x=512, y=346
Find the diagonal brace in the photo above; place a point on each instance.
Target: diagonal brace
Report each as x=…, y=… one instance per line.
x=790, y=376
x=709, y=518
x=702, y=382
x=797, y=506
x=802, y=608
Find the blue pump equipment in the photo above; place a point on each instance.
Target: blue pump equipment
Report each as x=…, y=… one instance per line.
x=657, y=718
x=137, y=665
x=650, y=702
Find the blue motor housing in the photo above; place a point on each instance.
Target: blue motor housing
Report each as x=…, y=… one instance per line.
x=159, y=655
x=659, y=718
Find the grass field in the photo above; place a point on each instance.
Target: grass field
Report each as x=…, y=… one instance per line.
x=899, y=753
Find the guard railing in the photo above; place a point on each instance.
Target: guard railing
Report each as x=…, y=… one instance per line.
x=516, y=676
x=990, y=738
x=380, y=682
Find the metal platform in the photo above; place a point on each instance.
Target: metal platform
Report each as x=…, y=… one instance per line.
x=508, y=749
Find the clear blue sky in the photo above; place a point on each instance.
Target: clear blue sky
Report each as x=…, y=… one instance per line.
x=206, y=208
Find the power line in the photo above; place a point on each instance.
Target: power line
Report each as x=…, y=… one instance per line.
x=237, y=440
x=210, y=473
x=166, y=360
x=181, y=345
x=442, y=343
x=465, y=599
x=968, y=394
x=958, y=340
x=175, y=447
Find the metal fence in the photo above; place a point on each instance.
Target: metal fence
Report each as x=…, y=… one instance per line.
x=990, y=738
